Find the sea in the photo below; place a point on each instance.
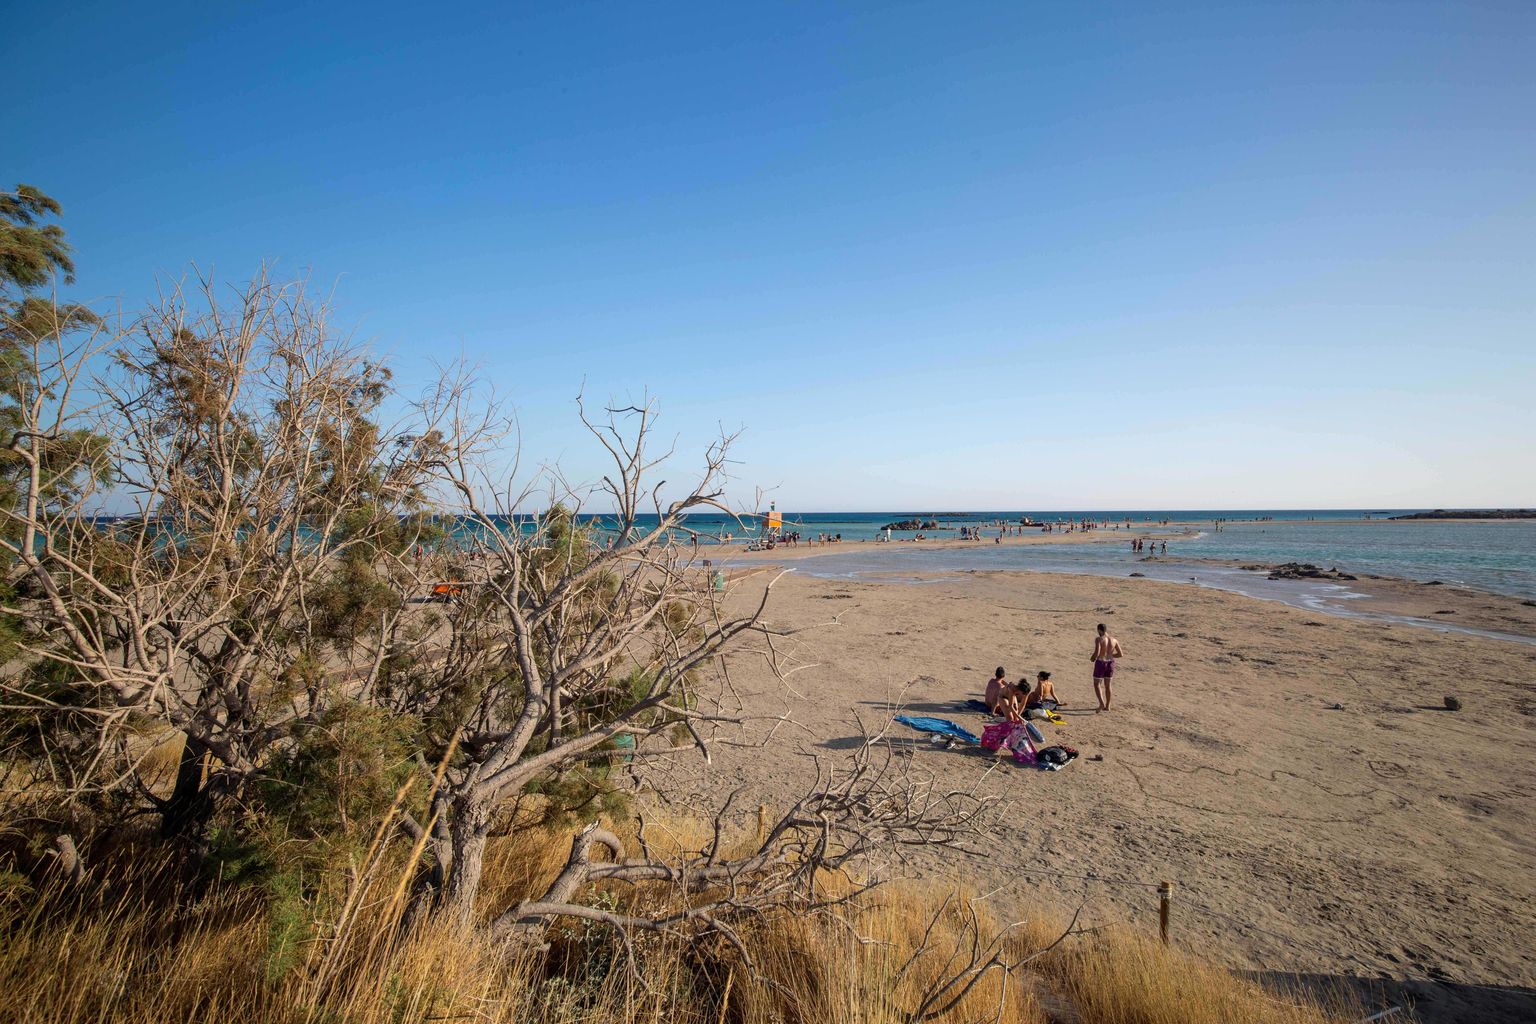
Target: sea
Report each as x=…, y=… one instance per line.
x=1494, y=556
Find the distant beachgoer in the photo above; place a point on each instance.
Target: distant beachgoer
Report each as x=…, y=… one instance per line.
x=995, y=687
x=1105, y=650
x=1165, y=547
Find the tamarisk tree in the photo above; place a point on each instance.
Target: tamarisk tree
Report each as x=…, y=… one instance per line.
x=573, y=643
x=33, y=255
x=247, y=582
x=568, y=643
x=270, y=570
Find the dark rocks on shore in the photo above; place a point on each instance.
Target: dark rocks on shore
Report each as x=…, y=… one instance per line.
x=1473, y=513
x=912, y=524
x=1139, y=575
x=1300, y=571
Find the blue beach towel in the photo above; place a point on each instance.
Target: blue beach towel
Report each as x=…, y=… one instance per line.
x=975, y=705
x=942, y=726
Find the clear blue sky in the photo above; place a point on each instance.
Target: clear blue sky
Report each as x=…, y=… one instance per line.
x=965, y=255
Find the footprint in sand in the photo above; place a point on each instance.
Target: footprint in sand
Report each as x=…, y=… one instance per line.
x=1280, y=794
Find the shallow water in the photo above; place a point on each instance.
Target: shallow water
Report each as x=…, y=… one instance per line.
x=1499, y=557
x=905, y=564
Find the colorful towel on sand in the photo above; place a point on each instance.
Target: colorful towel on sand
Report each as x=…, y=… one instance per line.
x=942, y=726
x=1014, y=736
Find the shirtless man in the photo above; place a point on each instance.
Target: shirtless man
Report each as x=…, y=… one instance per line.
x=997, y=688
x=1105, y=650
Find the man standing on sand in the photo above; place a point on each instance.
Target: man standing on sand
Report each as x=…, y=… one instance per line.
x=1105, y=650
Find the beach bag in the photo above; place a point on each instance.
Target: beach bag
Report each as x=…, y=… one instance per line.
x=1023, y=747
x=1057, y=757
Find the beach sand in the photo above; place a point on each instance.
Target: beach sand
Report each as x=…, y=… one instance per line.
x=1390, y=839
x=737, y=552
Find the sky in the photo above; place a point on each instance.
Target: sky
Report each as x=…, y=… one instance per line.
x=969, y=256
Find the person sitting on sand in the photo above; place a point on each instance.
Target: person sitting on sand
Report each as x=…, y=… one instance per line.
x=1043, y=696
x=995, y=687
x=1010, y=703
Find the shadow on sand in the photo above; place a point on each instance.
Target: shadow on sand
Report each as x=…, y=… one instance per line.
x=1431, y=1002
x=910, y=745
x=943, y=707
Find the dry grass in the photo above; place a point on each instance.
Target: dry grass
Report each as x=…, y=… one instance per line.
x=1115, y=976
x=115, y=953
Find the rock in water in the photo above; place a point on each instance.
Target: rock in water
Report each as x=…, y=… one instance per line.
x=1305, y=571
x=912, y=524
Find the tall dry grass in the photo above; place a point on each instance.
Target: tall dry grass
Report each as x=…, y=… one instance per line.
x=1116, y=976
x=129, y=949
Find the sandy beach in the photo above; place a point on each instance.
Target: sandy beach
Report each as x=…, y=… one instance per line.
x=1447, y=605
x=1386, y=839
x=935, y=540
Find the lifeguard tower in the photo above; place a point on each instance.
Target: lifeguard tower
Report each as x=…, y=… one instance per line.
x=773, y=527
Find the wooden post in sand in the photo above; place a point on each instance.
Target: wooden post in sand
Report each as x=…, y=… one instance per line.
x=1165, y=903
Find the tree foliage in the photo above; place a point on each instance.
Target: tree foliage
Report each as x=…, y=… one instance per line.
x=30, y=252
x=306, y=626
x=31, y=255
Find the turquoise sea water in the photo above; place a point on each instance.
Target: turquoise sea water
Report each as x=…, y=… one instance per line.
x=866, y=525
x=1499, y=557
x=1496, y=556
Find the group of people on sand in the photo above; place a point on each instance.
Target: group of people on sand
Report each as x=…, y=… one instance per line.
x=1020, y=701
